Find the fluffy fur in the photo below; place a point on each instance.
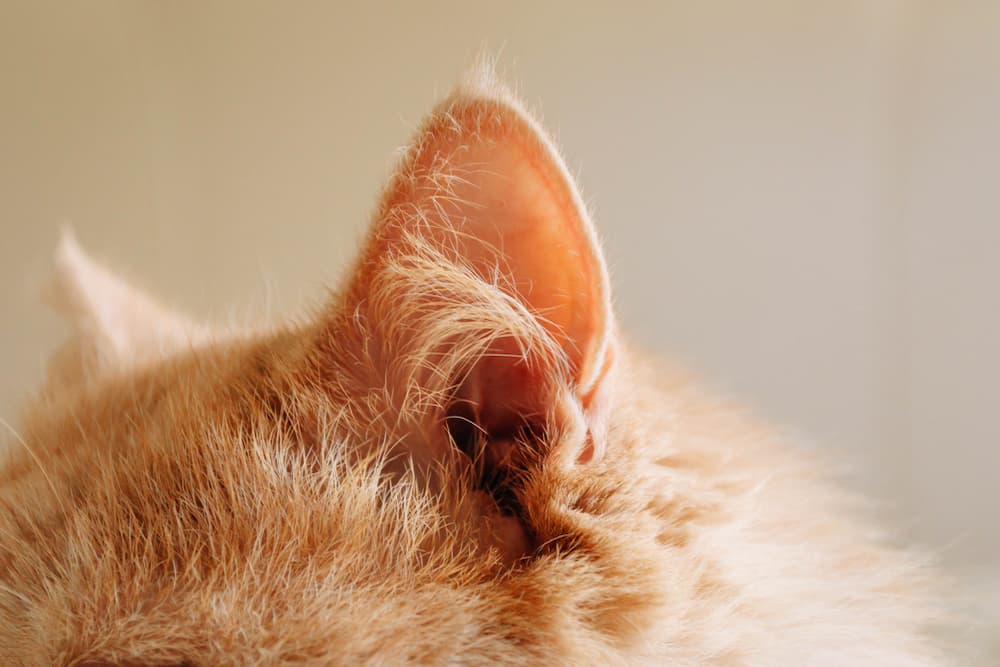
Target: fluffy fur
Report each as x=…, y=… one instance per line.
x=457, y=460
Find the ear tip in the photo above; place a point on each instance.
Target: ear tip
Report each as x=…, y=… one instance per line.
x=67, y=247
x=483, y=105
x=70, y=260
x=482, y=83
x=481, y=78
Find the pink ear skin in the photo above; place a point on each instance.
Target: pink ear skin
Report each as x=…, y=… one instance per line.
x=520, y=222
x=521, y=399
x=485, y=188
x=518, y=217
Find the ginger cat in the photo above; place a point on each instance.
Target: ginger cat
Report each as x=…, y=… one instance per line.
x=458, y=460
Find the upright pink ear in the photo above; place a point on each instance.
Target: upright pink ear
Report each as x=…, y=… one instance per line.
x=483, y=183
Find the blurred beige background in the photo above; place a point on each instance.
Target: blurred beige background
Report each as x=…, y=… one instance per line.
x=800, y=199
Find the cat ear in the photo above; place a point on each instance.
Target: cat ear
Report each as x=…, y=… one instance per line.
x=484, y=190
x=115, y=325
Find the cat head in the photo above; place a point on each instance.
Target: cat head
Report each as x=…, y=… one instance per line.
x=407, y=474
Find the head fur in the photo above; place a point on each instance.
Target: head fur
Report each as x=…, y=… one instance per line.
x=456, y=460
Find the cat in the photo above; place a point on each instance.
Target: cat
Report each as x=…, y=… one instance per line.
x=458, y=459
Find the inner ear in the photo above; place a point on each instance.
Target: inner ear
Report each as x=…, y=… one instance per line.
x=485, y=184
x=483, y=272
x=500, y=403
x=520, y=224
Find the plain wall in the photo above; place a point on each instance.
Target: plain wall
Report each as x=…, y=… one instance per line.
x=799, y=199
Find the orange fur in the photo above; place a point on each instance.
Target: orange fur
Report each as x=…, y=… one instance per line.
x=457, y=460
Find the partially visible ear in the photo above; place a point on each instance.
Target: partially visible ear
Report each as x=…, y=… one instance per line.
x=116, y=325
x=484, y=189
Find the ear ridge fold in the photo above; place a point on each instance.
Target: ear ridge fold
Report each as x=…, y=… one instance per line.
x=115, y=325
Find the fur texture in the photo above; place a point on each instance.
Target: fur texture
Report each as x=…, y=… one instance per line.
x=457, y=460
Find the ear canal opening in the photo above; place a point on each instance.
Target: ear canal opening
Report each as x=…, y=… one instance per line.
x=498, y=455
x=462, y=428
